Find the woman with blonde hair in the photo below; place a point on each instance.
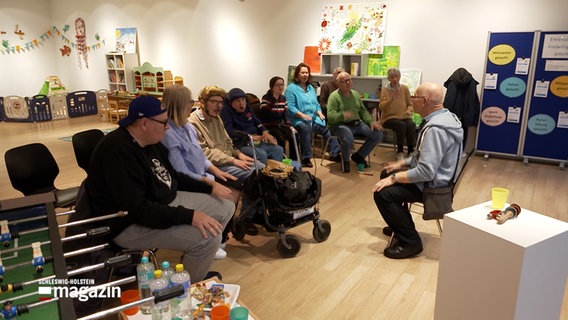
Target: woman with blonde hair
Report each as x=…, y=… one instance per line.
x=185, y=153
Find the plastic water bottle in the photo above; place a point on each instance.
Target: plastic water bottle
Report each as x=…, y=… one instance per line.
x=181, y=305
x=161, y=310
x=144, y=274
x=167, y=272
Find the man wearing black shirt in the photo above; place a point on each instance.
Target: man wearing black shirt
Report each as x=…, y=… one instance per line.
x=129, y=171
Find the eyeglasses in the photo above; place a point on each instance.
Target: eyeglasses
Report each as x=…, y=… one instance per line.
x=346, y=80
x=417, y=97
x=163, y=122
x=215, y=102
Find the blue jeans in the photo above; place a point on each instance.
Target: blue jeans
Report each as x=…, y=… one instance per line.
x=264, y=151
x=391, y=202
x=347, y=135
x=305, y=133
x=240, y=173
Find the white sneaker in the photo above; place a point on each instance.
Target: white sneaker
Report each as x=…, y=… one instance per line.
x=221, y=254
x=400, y=156
x=223, y=245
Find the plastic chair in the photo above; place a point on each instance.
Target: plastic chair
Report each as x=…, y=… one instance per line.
x=84, y=144
x=32, y=170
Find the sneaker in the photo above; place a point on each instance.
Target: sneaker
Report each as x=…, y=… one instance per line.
x=223, y=245
x=358, y=159
x=400, y=156
x=307, y=162
x=335, y=158
x=220, y=254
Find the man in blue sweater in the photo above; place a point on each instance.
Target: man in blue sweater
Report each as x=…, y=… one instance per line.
x=434, y=163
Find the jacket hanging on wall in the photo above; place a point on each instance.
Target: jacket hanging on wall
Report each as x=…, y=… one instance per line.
x=461, y=97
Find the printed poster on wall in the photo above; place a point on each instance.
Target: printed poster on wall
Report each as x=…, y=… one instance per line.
x=126, y=40
x=353, y=28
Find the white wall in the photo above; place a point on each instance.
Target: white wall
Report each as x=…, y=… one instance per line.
x=23, y=73
x=231, y=43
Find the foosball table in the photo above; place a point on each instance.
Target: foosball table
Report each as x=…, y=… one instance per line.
x=38, y=278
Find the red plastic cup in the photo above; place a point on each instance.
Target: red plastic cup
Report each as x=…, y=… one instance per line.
x=220, y=312
x=129, y=296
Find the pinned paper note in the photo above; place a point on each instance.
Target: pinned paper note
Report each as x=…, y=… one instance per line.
x=491, y=81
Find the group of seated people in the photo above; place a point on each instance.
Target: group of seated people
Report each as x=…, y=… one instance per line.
x=179, y=171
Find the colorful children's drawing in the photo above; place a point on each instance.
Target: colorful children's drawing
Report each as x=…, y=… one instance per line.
x=126, y=40
x=353, y=28
x=380, y=63
x=81, y=38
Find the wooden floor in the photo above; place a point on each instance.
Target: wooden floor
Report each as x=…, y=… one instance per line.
x=347, y=276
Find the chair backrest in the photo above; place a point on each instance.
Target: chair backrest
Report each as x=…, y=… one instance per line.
x=461, y=168
x=84, y=144
x=31, y=168
x=253, y=102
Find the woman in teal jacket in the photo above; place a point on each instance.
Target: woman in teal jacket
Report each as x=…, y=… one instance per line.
x=305, y=114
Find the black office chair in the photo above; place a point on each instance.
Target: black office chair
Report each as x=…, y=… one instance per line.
x=32, y=170
x=84, y=144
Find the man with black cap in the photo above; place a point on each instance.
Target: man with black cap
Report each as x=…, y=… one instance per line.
x=129, y=171
x=238, y=116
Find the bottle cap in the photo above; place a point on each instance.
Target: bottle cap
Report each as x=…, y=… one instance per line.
x=179, y=267
x=157, y=273
x=144, y=259
x=165, y=264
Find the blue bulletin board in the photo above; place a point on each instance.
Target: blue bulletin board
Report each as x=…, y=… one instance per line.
x=505, y=86
x=546, y=134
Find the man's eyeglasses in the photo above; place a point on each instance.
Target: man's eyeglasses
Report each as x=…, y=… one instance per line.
x=215, y=102
x=163, y=122
x=417, y=97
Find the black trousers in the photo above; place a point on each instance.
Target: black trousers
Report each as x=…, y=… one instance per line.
x=405, y=130
x=392, y=204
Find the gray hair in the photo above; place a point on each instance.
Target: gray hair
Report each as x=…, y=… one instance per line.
x=393, y=71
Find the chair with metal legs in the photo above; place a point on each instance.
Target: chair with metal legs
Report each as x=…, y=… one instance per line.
x=356, y=140
x=457, y=181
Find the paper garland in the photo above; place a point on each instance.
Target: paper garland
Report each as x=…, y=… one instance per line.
x=39, y=41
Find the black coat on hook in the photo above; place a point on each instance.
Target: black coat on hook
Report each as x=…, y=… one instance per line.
x=461, y=97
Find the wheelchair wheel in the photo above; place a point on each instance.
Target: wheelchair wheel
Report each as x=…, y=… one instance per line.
x=290, y=248
x=321, y=231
